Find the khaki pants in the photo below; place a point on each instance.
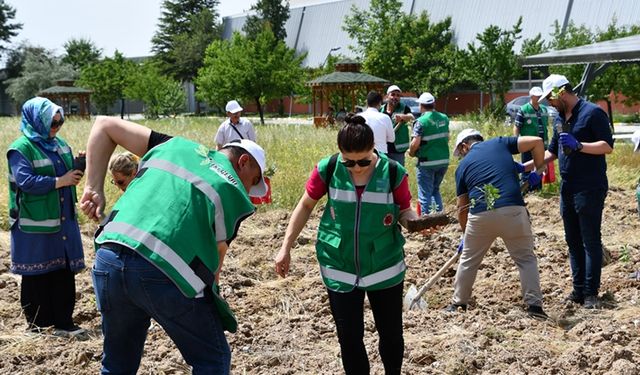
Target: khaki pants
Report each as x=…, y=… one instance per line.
x=512, y=224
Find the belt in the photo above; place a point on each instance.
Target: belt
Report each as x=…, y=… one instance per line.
x=118, y=248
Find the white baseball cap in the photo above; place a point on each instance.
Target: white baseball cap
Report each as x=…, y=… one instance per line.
x=260, y=189
x=552, y=82
x=635, y=138
x=393, y=88
x=233, y=107
x=461, y=136
x=535, y=91
x=426, y=98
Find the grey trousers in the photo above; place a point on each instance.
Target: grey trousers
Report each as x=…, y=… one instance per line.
x=513, y=225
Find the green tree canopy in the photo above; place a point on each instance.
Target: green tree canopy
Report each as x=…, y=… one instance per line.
x=81, y=52
x=108, y=79
x=7, y=29
x=161, y=95
x=253, y=70
x=272, y=14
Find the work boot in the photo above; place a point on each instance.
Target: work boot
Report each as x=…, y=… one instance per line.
x=591, y=302
x=536, y=312
x=575, y=297
x=452, y=308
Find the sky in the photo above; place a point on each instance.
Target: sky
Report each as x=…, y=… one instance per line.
x=125, y=25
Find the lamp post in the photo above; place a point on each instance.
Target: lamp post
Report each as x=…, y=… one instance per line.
x=329, y=54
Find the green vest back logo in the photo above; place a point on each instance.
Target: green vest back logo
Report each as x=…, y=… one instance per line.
x=204, y=152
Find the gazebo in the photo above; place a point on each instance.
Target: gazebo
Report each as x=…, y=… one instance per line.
x=347, y=79
x=74, y=100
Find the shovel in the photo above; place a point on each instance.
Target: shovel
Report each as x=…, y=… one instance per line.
x=414, y=296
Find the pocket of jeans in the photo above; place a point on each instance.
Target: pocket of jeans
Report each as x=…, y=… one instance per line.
x=165, y=298
x=100, y=286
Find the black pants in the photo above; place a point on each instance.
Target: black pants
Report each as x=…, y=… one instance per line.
x=48, y=299
x=348, y=314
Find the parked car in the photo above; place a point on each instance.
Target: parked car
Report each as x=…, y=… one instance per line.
x=412, y=102
x=513, y=106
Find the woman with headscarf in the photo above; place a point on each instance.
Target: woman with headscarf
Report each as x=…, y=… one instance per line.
x=46, y=248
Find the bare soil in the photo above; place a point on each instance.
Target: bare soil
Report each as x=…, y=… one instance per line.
x=286, y=326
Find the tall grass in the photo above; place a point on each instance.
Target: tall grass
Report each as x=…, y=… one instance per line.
x=294, y=150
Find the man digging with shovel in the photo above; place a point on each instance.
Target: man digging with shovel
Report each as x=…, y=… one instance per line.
x=484, y=216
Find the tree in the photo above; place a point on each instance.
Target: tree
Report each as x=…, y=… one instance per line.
x=254, y=70
x=39, y=71
x=272, y=14
x=7, y=30
x=493, y=64
x=17, y=56
x=161, y=95
x=80, y=53
x=186, y=28
x=108, y=79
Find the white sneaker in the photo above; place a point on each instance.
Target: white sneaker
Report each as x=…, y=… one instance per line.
x=74, y=332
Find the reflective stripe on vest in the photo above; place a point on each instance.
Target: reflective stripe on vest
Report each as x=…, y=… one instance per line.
x=199, y=184
x=435, y=136
x=403, y=145
x=367, y=281
x=160, y=248
x=41, y=163
x=433, y=162
x=49, y=223
x=366, y=197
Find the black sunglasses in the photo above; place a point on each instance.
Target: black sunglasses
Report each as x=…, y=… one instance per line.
x=57, y=123
x=352, y=163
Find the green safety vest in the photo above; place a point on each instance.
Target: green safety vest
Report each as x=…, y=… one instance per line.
x=359, y=244
x=403, y=140
x=184, y=200
x=434, y=144
x=531, y=125
x=36, y=213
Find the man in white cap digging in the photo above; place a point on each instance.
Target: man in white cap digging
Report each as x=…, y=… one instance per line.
x=532, y=119
x=235, y=127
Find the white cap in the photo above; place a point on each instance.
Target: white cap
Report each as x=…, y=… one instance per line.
x=260, y=189
x=635, y=138
x=461, y=136
x=535, y=91
x=552, y=82
x=233, y=107
x=426, y=98
x=393, y=88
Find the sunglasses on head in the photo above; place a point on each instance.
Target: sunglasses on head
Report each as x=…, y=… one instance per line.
x=57, y=123
x=117, y=182
x=352, y=163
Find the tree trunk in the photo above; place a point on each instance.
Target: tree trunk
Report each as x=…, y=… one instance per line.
x=428, y=221
x=122, y=108
x=260, y=110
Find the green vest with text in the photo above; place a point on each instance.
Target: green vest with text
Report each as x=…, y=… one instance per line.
x=434, y=145
x=359, y=244
x=37, y=213
x=184, y=200
x=402, y=132
x=531, y=125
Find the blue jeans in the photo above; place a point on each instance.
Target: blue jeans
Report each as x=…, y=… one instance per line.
x=129, y=292
x=582, y=216
x=397, y=156
x=429, y=180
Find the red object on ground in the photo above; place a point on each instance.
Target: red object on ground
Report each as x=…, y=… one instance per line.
x=267, y=197
x=549, y=175
x=418, y=210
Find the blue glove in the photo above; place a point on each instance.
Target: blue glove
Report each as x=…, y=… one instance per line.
x=461, y=245
x=534, y=179
x=569, y=141
x=519, y=167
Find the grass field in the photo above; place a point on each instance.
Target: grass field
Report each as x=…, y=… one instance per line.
x=294, y=150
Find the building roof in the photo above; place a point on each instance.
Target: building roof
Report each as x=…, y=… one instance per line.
x=617, y=50
x=58, y=90
x=341, y=78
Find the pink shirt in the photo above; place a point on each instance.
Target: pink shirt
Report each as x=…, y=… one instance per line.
x=316, y=189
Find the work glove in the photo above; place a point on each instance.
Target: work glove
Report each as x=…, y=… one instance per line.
x=534, y=179
x=569, y=141
x=519, y=167
x=461, y=245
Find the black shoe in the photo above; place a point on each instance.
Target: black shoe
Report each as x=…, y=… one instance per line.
x=575, y=297
x=71, y=332
x=455, y=306
x=537, y=312
x=591, y=302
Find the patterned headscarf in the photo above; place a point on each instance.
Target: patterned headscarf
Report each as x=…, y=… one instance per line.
x=37, y=115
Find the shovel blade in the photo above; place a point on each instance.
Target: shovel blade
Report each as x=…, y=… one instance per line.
x=409, y=303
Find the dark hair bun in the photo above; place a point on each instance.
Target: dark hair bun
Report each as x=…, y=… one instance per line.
x=353, y=118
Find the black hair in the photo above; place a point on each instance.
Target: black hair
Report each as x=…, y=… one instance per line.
x=429, y=107
x=373, y=98
x=568, y=88
x=355, y=135
x=235, y=151
x=473, y=138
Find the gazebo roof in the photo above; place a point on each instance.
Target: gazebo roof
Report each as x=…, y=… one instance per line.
x=58, y=90
x=341, y=78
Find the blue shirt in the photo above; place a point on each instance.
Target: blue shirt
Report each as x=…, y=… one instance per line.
x=38, y=253
x=490, y=162
x=580, y=171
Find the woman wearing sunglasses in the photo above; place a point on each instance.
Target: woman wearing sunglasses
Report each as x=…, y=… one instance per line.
x=123, y=168
x=359, y=245
x=46, y=248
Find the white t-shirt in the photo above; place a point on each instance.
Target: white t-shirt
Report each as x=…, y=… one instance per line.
x=382, y=128
x=227, y=132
